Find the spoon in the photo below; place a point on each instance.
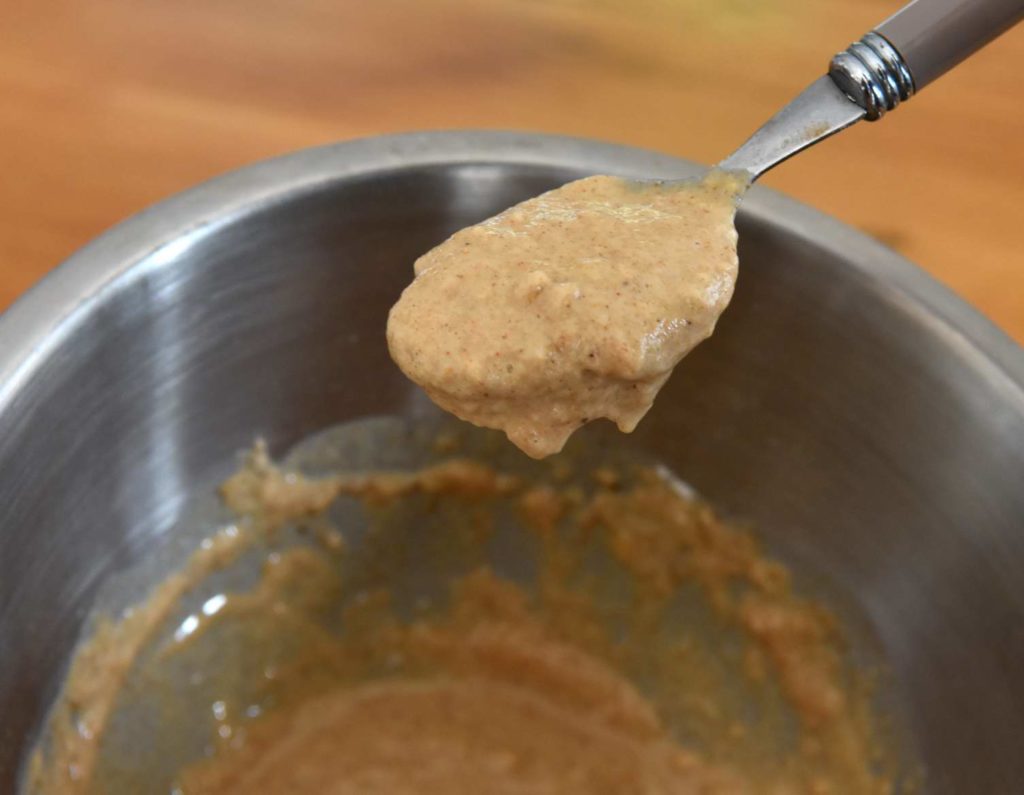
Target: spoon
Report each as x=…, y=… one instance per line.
x=577, y=304
x=916, y=45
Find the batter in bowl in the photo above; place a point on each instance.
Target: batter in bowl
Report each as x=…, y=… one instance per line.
x=571, y=306
x=640, y=645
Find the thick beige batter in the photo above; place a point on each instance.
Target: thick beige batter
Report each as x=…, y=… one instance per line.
x=566, y=686
x=454, y=737
x=571, y=306
x=501, y=726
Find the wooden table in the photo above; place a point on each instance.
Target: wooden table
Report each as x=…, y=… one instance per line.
x=110, y=105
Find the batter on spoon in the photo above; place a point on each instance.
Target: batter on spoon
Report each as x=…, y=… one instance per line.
x=571, y=306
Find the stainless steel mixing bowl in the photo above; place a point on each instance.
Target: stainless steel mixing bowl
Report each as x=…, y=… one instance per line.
x=858, y=413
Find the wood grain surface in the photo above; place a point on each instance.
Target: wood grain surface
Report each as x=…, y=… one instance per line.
x=109, y=105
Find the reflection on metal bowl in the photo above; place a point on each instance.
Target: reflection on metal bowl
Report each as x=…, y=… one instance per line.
x=868, y=423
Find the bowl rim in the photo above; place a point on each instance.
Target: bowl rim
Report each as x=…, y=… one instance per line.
x=49, y=311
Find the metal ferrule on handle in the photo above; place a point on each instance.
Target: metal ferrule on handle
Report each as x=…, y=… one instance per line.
x=917, y=44
x=920, y=42
x=873, y=74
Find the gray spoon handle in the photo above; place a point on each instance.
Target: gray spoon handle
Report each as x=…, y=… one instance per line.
x=887, y=66
x=933, y=36
x=917, y=44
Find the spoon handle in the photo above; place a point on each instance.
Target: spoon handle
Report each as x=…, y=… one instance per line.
x=933, y=36
x=917, y=44
x=887, y=66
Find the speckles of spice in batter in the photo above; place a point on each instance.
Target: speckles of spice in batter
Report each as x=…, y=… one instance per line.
x=571, y=306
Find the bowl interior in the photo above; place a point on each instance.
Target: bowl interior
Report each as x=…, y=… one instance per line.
x=863, y=437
